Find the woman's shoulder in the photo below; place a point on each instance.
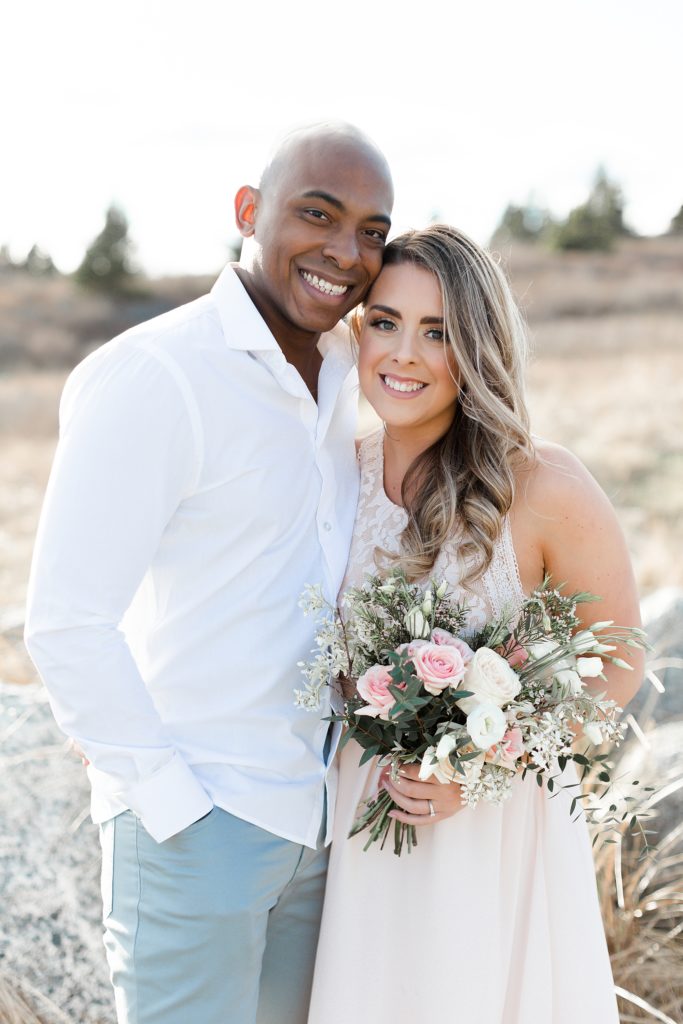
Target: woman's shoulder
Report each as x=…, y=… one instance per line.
x=555, y=481
x=559, y=506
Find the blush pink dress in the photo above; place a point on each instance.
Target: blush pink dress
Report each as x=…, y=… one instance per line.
x=494, y=917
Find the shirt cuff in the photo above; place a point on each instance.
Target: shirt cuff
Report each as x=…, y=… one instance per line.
x=168, y=800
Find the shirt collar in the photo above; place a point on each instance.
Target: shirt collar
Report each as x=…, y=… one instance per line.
x=245, y=329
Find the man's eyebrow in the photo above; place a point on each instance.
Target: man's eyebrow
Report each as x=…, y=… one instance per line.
x=315, y=193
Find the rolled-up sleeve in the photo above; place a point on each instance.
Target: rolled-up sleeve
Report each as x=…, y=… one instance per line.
x=129, y=454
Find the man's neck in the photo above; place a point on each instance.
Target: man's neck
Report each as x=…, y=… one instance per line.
x=299, y=347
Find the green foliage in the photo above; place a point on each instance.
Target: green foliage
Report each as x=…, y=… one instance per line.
x=676, y=226
x=38, y=263
x=598, y=222
x=107, y=264
x=522, y=223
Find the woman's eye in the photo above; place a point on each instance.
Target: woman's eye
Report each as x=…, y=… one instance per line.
x=382, y=324
x=435, y=334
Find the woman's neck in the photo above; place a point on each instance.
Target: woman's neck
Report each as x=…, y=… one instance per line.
x=401, y=448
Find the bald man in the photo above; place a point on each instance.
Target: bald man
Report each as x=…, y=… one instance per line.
x=205, y=473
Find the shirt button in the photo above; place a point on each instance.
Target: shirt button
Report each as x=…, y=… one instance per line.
x=327, y=526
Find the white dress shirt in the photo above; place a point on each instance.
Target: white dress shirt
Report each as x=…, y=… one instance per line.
x=197, y=487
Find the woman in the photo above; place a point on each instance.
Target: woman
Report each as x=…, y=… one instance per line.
x=494, y=918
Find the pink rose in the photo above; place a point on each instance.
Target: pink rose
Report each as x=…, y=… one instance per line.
x=446, y=639
x=439, y=666
x=373, y=686
x=516, y=657
x=410, y=648
x=509, y=750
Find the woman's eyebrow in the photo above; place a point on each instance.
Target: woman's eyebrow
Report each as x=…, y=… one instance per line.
x=431, y=320
x=387, y=309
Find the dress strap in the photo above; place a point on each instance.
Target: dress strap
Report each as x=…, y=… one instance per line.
x=502, y=580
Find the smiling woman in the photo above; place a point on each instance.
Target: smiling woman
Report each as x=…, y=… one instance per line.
x=406, y=371
x=453, y=490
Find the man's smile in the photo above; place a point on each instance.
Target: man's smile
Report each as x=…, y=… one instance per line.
x=324, y=286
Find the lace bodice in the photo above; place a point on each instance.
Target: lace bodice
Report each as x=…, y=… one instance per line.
x=379, y=524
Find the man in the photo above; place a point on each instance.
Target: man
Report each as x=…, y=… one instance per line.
x=205, y=473
x=193, y=460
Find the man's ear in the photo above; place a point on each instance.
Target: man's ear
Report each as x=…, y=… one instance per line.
x=246, y=202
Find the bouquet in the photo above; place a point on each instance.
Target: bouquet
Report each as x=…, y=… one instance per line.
x=475, y=707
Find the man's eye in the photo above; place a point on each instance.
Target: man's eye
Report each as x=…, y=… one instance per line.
x=318, y=214
x=382, y=324
x=376, y=235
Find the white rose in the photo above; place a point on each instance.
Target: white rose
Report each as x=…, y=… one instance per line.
x=589, y=667
x=486, y=724
x=593, y=732
x=568, y=677
x=490, y=679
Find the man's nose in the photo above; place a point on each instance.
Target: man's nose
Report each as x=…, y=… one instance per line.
x=343, y=249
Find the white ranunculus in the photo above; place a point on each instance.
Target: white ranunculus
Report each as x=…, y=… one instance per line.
x=486, y=724
x=568, y=677
x=441, y=769
x=490, y=679
x=593, y=732
x=584, y=640
x=446, y=746
x=541, y=648
x=589, y=667
x=416, y=624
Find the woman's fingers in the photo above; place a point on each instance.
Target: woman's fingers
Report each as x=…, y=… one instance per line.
x=421, y=803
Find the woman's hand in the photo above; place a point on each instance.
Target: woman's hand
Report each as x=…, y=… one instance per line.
x=417, y=799
x=74, y=748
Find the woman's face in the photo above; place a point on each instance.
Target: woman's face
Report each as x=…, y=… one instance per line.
x=407, y=370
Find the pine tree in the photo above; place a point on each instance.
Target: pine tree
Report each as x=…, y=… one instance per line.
x=598, y=222
x=107, y=263
x=676, y=226
x=521, y=223
x=38, y=263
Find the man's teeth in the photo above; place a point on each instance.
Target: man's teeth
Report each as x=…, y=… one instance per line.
x=326, y=287
x=400, y=385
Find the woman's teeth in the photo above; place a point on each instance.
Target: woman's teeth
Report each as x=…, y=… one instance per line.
x=326, y=287
x=400, y=385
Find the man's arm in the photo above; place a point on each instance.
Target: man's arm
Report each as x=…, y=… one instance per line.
x=129, y=452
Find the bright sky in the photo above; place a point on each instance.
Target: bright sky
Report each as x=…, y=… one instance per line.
x=167, y=107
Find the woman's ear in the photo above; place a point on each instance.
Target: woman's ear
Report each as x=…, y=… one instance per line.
x=246, y=202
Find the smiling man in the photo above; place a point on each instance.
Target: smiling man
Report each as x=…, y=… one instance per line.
x=205, y=473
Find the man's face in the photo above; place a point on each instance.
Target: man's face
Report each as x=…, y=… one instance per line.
x=321, y=226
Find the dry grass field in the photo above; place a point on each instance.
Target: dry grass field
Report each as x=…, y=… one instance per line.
x=605, y=379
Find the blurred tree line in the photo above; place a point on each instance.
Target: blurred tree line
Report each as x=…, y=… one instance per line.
x=595, y=224
x=108, y=264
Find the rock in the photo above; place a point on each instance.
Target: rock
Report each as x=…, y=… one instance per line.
x=663, y=619
x=50, y=927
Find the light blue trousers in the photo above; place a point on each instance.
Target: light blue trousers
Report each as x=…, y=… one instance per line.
x=217, y=925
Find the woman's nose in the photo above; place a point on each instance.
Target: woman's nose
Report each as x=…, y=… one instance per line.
x=405, y=350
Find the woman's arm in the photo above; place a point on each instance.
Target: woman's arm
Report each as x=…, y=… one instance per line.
x=563, y=524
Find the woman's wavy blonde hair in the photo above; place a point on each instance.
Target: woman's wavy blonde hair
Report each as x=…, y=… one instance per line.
x=466, y=479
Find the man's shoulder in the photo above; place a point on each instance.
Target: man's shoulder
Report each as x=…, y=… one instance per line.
x=194, y=320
